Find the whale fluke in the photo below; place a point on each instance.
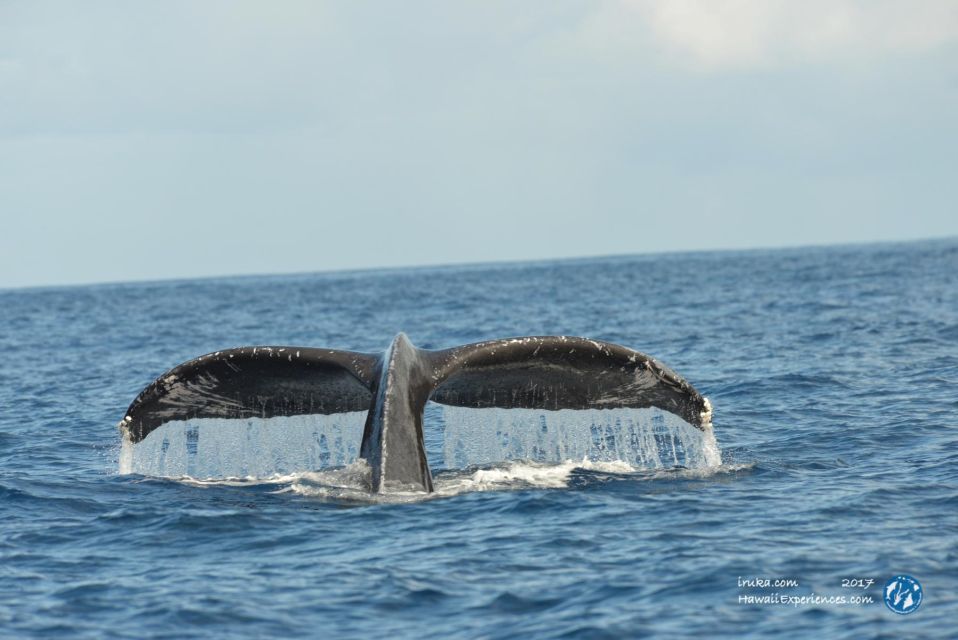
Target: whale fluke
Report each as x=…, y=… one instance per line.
x=545, y=372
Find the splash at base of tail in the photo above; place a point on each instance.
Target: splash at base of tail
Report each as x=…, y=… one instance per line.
x=548, y=373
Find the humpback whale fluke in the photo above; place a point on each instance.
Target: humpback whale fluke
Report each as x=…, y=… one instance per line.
x=544, y=372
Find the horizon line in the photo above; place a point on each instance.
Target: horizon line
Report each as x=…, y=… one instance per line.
x=468, y=264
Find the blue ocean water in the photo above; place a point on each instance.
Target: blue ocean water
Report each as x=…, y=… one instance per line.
x=833, y=373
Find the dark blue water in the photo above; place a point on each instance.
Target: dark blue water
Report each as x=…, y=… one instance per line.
x=834, y=377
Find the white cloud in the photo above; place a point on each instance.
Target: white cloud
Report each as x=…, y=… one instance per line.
x=198, y=127
x=759, y=34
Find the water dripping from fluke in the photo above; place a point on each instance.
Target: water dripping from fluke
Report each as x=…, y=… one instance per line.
x=516, y=411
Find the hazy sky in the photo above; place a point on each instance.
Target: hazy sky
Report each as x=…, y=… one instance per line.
x=176, y=139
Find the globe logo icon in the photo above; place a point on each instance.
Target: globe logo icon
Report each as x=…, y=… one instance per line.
x=903, y=594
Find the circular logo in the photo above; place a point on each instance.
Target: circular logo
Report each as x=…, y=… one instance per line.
x=903, y=594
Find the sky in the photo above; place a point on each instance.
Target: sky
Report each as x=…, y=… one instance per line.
x=152, y=140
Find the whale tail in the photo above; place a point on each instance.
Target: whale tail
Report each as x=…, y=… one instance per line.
x=543, y=372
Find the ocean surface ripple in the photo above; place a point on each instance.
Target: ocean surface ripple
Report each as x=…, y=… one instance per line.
x=833, y=376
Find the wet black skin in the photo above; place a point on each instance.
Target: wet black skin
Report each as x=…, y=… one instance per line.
x=545, y=372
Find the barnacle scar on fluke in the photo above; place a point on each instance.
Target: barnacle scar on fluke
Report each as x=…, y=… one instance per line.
x=544, y=372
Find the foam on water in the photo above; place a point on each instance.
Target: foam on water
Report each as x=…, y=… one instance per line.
x=351, y=484
x=522, y=475
x=216, y=448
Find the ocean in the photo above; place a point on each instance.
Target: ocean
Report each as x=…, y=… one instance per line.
x=833, y=374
